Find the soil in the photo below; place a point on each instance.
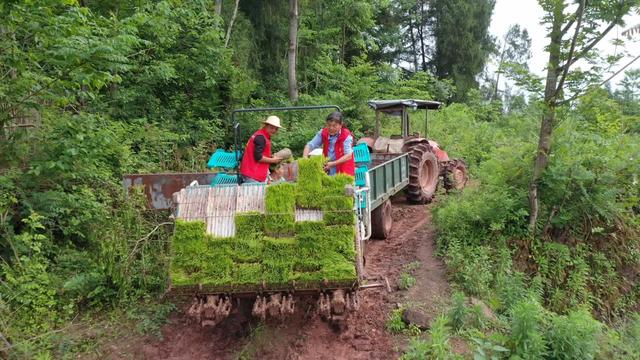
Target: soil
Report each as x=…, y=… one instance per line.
x=305, y=335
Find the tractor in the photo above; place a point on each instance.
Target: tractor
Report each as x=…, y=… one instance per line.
x=428, y=163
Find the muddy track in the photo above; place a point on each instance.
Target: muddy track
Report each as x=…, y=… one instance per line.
x=305, y=335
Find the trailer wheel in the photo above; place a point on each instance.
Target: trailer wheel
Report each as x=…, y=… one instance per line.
x=381, y=221
x=423, y=174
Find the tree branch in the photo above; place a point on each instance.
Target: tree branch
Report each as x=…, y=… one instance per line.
x=581, y=91
x=588, y=48
x=135, y=247
x=565, y=70
x=568, y=26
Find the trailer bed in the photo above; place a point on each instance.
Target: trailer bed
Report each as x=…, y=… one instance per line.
x=388, y=175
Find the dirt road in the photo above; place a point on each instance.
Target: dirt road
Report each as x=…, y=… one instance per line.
x=305, y=335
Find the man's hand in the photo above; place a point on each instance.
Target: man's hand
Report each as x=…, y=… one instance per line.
x=328, y=165
x=306, y=151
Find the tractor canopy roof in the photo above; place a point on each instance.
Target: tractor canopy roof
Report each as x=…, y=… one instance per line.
x=394, y=106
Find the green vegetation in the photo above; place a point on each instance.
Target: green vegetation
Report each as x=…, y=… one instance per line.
x=310, y=175
x=394, y=323
x=92, y=90
x=280, y=205
x=406, y=281
x=273, y=248
x=436, y=347
x=566, y=292
x=406, y=278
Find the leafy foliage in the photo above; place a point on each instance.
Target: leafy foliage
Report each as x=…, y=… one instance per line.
x=93, y=90
x=461, y=32
x=573, y=336
x=437, y=347
x=394, y=323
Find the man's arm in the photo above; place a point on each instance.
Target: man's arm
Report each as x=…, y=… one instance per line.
x=315, y=143
x=348, y=151
x=259, y=143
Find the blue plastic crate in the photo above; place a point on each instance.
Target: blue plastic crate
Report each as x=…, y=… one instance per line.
x=361, y=173
x=222, y=179
x=224, y=159
x=361, y=154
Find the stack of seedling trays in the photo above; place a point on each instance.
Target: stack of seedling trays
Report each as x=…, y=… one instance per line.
x=270, y=250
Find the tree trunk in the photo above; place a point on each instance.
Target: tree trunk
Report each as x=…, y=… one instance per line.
x=413, y=46
x=343, y=45
x=548, y=118
x=494, y=95
x=421, y=34
x=218, y=7
x=233, y=19
x=293, y=49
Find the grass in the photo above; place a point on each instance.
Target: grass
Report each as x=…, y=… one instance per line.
x=394, y=323
x=280, y=205
x=310, y=175
x=338, y=210
x=96, y=333
x=406, y=281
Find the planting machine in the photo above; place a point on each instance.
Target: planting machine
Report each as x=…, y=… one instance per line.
x=385, y=166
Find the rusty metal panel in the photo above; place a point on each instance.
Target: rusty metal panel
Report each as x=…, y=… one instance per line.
x=159, y=188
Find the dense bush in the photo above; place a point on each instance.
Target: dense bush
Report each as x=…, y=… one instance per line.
x=585, y=250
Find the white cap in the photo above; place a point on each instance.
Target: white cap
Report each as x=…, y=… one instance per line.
x=273, y=120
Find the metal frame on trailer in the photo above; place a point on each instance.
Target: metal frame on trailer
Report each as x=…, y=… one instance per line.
x=236, y=124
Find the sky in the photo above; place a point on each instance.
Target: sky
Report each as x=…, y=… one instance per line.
x=528, y=14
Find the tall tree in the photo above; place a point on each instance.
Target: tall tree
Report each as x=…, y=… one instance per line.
x=387, y=37
x=293, y=49
x=462, y=40
x=629, y=93
x=514, y=49
x=574, y=30
x=415, y=38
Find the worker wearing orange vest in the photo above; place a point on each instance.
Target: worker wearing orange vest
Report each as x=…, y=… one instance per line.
x=257, y=154
x=337, y=146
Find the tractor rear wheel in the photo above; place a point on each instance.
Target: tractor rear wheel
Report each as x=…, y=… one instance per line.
x=381, y=221
x=456, y=175
x=423, y=174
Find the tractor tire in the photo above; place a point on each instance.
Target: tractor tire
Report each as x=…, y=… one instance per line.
x=456, y=175
x=381, y=221
x=423, y=174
